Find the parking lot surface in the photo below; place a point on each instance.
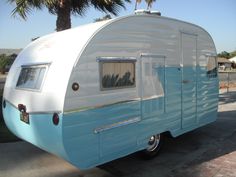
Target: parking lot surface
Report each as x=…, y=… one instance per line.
x=209, y=151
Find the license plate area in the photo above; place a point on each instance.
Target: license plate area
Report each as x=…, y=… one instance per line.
x=24, y=117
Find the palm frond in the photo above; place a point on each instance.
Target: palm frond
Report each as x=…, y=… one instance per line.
x=24, y=7
x=111, y=6
x=63, y=8
x=79, y=7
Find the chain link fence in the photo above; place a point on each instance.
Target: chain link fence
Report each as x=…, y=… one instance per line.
x=227, y=81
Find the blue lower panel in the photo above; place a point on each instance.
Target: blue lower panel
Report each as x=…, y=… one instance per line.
x=40, y=131
x=87, y=148
x=119, y=139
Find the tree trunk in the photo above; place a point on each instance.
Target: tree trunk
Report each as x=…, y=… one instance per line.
x=136, y=4
x=149, y=6
x=63, y=15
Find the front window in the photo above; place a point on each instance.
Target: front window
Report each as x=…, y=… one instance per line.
x=31, y=77
x=116, y=74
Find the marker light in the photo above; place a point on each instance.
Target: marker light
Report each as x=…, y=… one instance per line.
x=21, y=108
x=4, y=103
x=75, y=86
x=55, y=119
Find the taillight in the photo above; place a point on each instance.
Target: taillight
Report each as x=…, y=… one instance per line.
x=55, y=119
x=21, y=108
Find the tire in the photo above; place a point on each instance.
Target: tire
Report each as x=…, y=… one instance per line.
x=154, y=146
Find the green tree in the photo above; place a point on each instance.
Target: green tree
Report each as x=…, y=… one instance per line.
x=106, y=17
x=4, y=62
x=63, y=9
x=224, y=54
x=232, y=54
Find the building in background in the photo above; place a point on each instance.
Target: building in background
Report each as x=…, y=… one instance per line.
x=224, y=64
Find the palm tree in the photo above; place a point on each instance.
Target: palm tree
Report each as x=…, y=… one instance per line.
x=136, y=4
x=149, y=3
x=65, y=8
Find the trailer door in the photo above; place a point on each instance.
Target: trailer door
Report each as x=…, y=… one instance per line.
x=189, y=79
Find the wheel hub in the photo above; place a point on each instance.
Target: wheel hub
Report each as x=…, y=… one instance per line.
x=153, y=142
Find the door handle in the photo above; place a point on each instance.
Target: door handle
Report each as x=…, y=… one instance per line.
x=185, y=81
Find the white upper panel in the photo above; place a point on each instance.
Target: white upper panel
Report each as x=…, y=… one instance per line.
x=129, y=37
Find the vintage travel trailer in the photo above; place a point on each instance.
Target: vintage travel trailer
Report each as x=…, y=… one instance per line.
x=104, y=90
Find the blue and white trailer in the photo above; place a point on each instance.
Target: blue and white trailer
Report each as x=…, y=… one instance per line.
x=104, y=90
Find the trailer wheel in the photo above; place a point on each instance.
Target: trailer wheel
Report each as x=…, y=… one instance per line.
x=154, y=146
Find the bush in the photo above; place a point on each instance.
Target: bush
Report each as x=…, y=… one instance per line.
x=5, y=61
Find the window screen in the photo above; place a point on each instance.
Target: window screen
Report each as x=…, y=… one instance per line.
x=212, y=67
x=31, y=77
x=116, y=74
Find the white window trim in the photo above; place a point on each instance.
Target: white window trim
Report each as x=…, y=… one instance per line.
x=102, y=60
x=37, y=65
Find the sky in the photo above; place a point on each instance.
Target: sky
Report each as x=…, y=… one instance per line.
x=218, y=17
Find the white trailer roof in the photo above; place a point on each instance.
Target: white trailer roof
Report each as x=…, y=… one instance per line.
x=60, y=51
x=66, y=43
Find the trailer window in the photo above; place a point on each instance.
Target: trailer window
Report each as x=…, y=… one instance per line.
x=212, y=67
x=117, y=74
x=31, y=77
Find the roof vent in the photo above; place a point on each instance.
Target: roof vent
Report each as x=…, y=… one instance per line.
x=155, y=12
x=142, y=11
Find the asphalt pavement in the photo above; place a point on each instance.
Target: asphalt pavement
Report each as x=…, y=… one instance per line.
x=209, y=151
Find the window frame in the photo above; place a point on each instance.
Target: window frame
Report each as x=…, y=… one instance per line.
x=208, y=73
x=39, y=65
x=102, y=60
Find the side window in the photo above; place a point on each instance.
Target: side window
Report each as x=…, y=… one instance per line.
x=117, y=73
x=31, y=77
x=212, y=67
